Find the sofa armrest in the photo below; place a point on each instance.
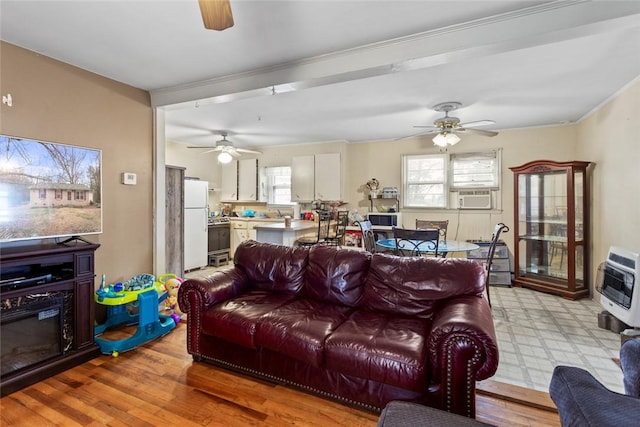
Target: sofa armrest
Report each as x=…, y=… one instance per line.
x=462, y=350
x=196, y=295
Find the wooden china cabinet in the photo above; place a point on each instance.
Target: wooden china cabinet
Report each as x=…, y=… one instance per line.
x=551, y=210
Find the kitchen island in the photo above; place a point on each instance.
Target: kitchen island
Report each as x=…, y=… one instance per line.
x=278, y=234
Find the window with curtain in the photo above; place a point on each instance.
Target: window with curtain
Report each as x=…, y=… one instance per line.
x=475, y=170
x=278, y=185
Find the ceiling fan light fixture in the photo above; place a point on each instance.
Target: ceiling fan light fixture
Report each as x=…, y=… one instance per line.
x=224, y=157
x=446, y=138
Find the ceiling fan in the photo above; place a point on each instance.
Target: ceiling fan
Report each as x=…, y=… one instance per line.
x=446, y=127
x=216, y=14
x=226, y=149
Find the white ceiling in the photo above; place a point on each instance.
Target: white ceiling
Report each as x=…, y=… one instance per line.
x=343, y=70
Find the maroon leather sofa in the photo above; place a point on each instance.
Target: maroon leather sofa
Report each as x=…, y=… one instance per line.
x=348, y=325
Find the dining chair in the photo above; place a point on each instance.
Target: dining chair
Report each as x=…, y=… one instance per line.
x=427, y=224
x=324, y=220
x=410, y=242
x=499, y=228
x=368, y=238
x=336, y=234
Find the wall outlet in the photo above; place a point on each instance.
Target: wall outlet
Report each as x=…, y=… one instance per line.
x=129, y=178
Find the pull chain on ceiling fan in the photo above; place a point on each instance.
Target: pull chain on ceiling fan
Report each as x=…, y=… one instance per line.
x=446, y=127
x=216, y=14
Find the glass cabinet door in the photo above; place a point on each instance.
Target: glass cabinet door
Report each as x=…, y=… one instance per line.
x=550, y=200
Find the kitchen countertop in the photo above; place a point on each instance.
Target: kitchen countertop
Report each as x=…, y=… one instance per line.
x=295, y=225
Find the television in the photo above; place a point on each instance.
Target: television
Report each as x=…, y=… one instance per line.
x=48, y=190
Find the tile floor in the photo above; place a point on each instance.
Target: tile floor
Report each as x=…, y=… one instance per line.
x=537, y=331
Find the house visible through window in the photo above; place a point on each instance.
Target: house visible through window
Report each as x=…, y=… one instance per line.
x=278, y=185
x=429, y=178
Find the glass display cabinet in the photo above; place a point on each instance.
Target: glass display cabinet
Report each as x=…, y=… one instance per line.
x=551, y=250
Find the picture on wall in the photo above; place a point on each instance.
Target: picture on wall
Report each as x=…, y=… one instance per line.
x=48, y=189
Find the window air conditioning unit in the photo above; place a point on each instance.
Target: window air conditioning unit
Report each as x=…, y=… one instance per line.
x=474, y=199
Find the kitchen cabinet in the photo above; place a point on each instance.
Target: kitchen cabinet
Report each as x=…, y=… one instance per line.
x=248, y=180
x=552, y=227
x=316, y=177
x=302, y=179
x=239, y=181
x=229, y=178
x=241, y=230
x=328, y=177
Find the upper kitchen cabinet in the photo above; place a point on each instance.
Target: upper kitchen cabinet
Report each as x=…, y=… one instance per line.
x=229, y=178
x=316, y=177
x=302, y=179
x=248, y=180
x=240, y=181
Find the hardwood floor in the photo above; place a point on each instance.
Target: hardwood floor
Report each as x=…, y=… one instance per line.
x=158, y=384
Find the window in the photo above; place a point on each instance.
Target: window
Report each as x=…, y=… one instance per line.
x=429, y=178
x=79, y=195
x=42, y=193
x=475, y=170
x=58, y=194
x=278, y=185
x=425, y=181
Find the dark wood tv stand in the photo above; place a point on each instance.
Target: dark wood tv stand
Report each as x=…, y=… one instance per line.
x=71, y=266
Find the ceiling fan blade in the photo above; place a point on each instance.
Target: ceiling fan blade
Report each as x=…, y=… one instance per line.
x=242, y=150
x=216, y=14
x=477, y=123
x=434, y=128
x=415, y=135
x=477, y=131
x=233, y=152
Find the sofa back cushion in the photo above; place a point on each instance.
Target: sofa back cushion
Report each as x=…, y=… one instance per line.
x=336, y=276
x=272, y=267
x=414, y=286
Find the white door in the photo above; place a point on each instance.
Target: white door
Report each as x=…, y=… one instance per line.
x=195, y=238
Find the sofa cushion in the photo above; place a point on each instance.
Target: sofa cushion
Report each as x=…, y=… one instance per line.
x=235, y=320
x=336, y=276
x=299, y=329
x=272, y=267
x=414, y=286
x=381, y=347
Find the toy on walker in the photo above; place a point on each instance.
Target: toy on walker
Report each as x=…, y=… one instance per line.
x=121, y=299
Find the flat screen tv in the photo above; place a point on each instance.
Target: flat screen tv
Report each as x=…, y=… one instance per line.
x=48, y=190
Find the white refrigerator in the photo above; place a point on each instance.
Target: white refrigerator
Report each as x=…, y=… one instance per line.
x=196, y=211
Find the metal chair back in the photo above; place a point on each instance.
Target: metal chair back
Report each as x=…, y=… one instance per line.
x=411, y=242
x=495, y=237
x=368, y=238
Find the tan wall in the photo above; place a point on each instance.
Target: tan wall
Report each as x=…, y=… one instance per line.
x=610, y=137
x=56, y=102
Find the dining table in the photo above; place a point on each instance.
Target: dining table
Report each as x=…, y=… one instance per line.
x=426, y=247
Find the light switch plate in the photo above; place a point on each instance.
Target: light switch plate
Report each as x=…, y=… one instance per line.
x=129, y=178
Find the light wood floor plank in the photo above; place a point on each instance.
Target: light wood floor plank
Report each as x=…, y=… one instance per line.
x=158, y=384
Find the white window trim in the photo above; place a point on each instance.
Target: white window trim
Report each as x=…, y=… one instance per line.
x=450, y=191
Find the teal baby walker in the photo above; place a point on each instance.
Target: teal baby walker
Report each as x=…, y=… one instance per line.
x=133, y=302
